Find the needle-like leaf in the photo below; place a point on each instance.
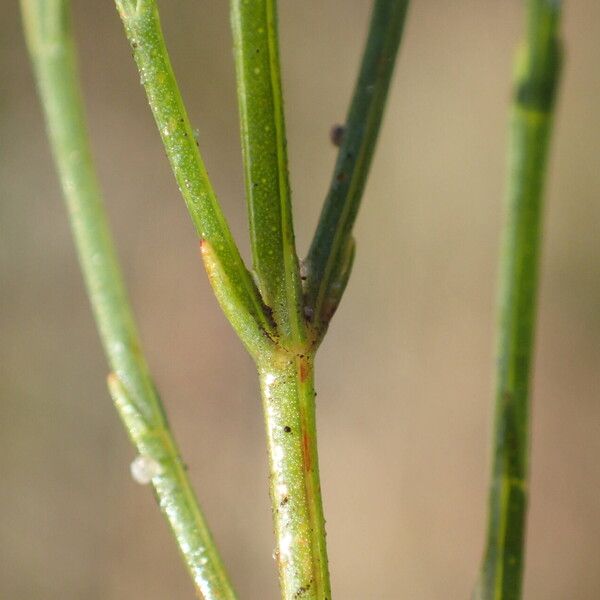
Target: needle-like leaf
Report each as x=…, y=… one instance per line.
x=254, y=26
x=354, y=158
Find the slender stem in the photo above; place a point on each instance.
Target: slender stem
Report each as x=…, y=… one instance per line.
x=48, y=30
x=536, y=82
x=287, y=387
x=238, y=295
x=254, y=26
x=332, y=239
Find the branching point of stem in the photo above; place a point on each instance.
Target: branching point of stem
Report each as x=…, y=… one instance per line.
x=144, y=32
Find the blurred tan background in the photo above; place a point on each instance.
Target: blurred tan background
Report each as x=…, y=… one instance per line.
x=404, y=377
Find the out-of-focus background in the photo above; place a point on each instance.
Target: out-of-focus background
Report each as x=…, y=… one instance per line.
x=404, y=376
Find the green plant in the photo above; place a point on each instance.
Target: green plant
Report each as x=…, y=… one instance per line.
x=281, y=310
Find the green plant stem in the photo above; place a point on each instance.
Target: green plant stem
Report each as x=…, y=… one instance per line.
x=285, y=373
x=288, y=394
x=236, y=291
x=286, y=377
x=48, y=31
x=332, y=243
x=537, y=73
x=254, y=26
x=154, y=440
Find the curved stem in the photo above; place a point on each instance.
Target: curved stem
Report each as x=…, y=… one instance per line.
x=288, y=394
x=48, y=31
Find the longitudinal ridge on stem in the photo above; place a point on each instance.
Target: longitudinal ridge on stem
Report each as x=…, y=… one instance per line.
x=254, y=26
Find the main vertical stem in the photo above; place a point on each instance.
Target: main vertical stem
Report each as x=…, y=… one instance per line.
x=287, y=386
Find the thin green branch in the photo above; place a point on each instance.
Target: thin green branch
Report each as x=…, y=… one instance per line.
x=537, y=74
x=48, y=30
x=254, y=26
x=250, y=317
x=333, y=234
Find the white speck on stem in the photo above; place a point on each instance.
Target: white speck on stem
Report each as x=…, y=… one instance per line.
x=285, y=546
x=278, y=454
x=269, y=381
x=144, y=468
x=118, y=347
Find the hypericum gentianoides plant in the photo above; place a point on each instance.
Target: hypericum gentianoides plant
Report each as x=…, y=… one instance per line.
x=281, y=308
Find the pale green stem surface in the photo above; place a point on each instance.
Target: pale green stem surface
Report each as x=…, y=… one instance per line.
x=288, y=394
x=48, y=31
x=537, y=74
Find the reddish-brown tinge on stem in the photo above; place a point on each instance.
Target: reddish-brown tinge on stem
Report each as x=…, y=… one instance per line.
x=303, y=368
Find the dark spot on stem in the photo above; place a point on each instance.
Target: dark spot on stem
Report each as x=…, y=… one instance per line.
x=287, y=429
x=302, y=590
x=336, y=135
